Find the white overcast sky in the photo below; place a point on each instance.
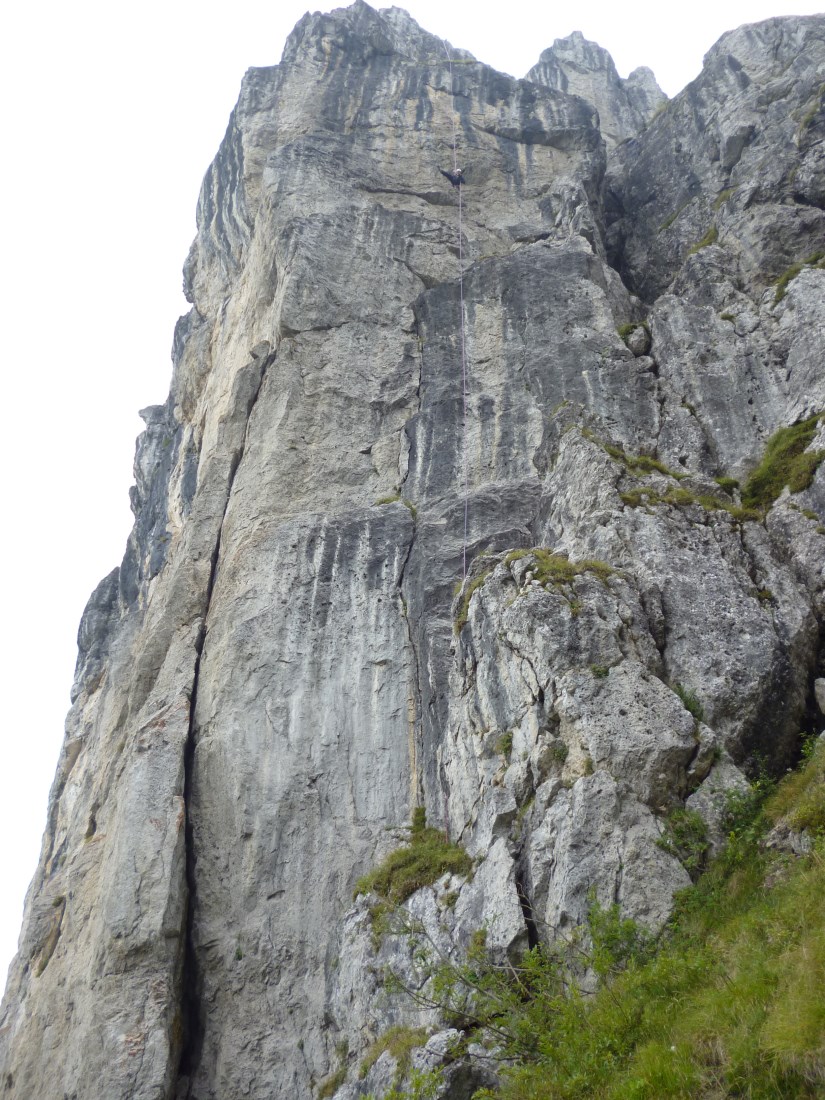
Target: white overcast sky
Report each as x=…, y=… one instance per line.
x=110, y=115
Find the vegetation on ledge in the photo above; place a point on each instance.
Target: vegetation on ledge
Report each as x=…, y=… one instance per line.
x=427, y=857
x=785, y=462
x=400, y=1041
x=682, y=498
x=817, y=259
x=549, y=569
x=727, y=1004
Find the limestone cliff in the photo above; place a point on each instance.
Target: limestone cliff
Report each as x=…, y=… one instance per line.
x=280, y=670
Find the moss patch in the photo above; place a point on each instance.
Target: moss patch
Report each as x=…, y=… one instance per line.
x=723, y=197
x=668, y=222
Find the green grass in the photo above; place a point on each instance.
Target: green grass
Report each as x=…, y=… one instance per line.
x=723, y=197
x=785, y=462
x=400, y=1041
x=816, y=259
x=668, y=222
x=729, y=1003
x=548, y=569
x=423, y=861
x=556, y=569
x=690, y=701
x=464, y=606
x=801, y=797
x=682, y=498
x=709, y=238
x=727, y=484
x=330, y=1085
x=639, y=464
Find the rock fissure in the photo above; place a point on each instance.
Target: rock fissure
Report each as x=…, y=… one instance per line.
x=191, y=1022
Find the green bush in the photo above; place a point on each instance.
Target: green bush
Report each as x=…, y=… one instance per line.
x=504, y=745
x=686, y=838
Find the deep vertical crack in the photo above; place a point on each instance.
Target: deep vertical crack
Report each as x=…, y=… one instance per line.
x=191, y=1020
x=416, y=718
x=522, y=889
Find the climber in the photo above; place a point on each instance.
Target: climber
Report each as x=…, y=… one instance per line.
x=456, y=178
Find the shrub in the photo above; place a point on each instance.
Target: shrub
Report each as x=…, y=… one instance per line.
x=504, y=745
x=686, y=838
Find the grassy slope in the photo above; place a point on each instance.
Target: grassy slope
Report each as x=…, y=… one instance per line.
x=732, y=1004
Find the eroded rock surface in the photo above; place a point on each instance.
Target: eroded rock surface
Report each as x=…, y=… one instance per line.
x=281, y=669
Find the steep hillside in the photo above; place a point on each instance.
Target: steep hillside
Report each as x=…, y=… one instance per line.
x=494, y=511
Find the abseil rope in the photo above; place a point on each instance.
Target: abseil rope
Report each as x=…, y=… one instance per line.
x=464, y=459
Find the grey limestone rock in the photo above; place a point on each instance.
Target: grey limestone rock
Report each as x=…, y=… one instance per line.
x=292, y=656
x=583, y=68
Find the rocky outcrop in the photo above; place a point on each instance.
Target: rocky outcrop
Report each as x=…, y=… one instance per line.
x=580, y=67
x=734, y=161
x=281, y=668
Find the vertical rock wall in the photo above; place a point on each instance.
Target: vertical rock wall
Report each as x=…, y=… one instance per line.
x=272, y=679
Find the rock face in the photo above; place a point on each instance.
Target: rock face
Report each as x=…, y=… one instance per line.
x=280, y=669
x=583, y=68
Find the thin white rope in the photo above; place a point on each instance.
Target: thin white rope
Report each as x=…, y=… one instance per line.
x=464, y=456
x=465, y=461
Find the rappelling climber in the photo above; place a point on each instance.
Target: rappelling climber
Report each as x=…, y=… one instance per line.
x=456, y=178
